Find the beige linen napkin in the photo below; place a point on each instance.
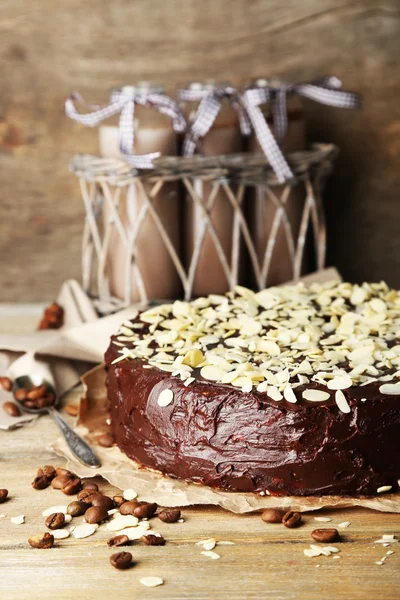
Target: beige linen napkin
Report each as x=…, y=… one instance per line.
x=62, y=355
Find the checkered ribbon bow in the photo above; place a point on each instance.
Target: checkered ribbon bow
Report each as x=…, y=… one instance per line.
x=325, y=91
x=123, y=101
x=250, y=117
x=207, y=111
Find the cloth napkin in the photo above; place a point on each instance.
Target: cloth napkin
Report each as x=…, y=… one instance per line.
x=62, y=355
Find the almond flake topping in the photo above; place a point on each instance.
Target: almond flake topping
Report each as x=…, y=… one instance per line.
x=341, y=401
x=315, y=395
x=165, y=398
x=332, y=336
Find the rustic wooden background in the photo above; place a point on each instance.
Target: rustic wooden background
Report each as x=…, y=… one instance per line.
x=48, y=49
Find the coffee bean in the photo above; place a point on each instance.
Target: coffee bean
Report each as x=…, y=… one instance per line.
x=77, y=508
x=325, y=535
x=145, y=511
x=291, y=519
x=6, y=383
x=46, y=400
x=60, y=481
x=36, y=392
x=88, y=485
x=103, y=501
x=121, y=560
x=55, y=521
x=87, y=496
x=40, y=482
x=118, y=540
x=127, y=508
x=20, y=394
x=106, y=440
x=73, y=486
x=11, y=409
x=3, y=495
x=61, y=471
x=47, y=471
x=95, y=514
x=29, y=403
x=119, y=501
x=41, y=540
x=272, y=515
x=71, y=410
x=153, y=540
x=169, y=515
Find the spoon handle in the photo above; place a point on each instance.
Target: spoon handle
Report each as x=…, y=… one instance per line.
x=77, y=445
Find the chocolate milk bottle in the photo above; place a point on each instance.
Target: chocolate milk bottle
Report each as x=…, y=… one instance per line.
x=153, y=133
x=224, y=137
x=261, y=210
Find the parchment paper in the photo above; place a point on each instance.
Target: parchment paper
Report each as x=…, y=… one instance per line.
x=154, y=487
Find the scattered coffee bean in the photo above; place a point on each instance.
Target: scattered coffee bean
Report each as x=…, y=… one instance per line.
x=325, y=535
x=118, y=540
x=127, y=508
x=36, y=392
x=272, y=515
x=88, y=485
x=153, y=540
x=291, y=519
x=20, y=394
x=11, y=409
x=55, y=521
x=47, y=471
x=77, y=508
x=106, y=440
x=3, y=495
x=88, y=496
x=145, y=511
x=73, y=486
x=62, y=471
x=6, y=383
x=121, y=560
x=119, y=501
x=40, y=482
x=103, y=501
x=60, y=481
x=169, y=515
x=72, y=410
x=95, y=514
x=41, y=540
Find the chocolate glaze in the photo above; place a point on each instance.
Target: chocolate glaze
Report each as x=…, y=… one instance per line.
x=216, y=435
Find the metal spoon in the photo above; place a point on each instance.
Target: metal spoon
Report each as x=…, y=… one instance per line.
x=77, y=445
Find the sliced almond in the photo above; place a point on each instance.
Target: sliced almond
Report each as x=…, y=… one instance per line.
x=85, y=530
x=151, y=581
x=289, y=394
x=341, y=401
x=340, y=382
x=390, y=389
x=315, y=395
x=165, y=398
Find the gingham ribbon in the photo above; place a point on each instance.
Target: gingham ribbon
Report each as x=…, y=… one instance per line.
x=207, y=112
x=325, y=90
x=250, y=117
x=123, y=101
x=251, y=100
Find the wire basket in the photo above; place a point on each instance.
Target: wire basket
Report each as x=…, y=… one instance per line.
x=104, y=182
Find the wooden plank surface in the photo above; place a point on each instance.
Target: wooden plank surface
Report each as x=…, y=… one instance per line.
x=266, y=561
x=92, y=46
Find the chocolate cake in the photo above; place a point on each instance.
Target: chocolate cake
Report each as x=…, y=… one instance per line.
x=288, y=391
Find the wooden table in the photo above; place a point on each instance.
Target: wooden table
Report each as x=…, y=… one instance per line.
x=266, y=561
